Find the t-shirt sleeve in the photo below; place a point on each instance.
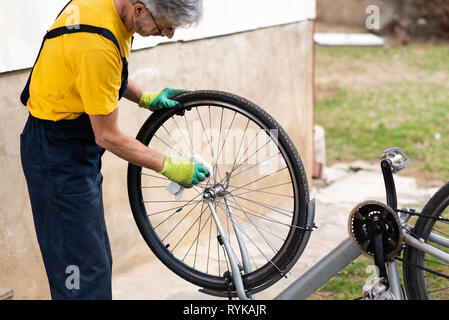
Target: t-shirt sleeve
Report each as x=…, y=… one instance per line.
x=98, y=80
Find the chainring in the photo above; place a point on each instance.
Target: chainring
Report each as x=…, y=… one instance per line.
x=360, y=224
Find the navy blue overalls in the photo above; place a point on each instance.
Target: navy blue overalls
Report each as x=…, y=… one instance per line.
x=61, y=164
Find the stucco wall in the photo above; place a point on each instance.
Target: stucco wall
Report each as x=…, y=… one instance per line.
x=272, y=66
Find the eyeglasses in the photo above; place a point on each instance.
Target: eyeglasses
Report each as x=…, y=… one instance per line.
x=154, y=20
x=170, y=29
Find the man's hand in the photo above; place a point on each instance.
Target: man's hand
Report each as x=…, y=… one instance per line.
x=183, y=171
x=160, y=99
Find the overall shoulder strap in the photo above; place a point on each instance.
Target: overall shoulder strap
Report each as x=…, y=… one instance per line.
x=102, y=32
x=84, y=28
x=76, y=29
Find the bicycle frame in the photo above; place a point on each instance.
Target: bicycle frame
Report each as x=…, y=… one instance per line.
x=341, y=256
x=346, y=252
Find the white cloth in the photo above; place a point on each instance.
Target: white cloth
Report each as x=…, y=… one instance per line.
x=176, y=189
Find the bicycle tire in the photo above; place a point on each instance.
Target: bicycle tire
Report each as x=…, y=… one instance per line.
x=420, y=283
x=288, y=253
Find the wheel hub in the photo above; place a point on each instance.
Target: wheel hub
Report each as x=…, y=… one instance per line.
x=212, y=193
x=218, y=190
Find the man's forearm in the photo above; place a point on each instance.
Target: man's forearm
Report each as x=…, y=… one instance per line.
x=133, y=151
x=134, y=92
x=109, y=136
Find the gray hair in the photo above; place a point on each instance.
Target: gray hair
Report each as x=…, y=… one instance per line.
x=178, y=12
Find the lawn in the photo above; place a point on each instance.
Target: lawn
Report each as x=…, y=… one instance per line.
x=348, y=284
x=370, y=99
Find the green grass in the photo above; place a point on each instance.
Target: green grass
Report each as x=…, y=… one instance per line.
x=382, y=98
x=348, y=284
x=370, y=99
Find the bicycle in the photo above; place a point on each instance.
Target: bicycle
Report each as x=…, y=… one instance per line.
x=259, y=206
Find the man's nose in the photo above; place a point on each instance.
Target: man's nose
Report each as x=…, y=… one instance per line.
x=169, y=33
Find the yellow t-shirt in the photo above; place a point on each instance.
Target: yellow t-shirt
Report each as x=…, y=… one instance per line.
x=80, y=72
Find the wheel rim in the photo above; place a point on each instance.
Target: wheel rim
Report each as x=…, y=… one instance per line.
x=192, y=236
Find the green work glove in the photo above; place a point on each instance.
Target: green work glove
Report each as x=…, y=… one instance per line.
x=183, y=171
x=160, y=99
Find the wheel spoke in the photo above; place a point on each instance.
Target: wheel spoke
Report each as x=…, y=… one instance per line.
x=178, y=222
x=263, y=177
x=224, y=142
x=153, y=176
x=263, y=217
x=183, y=136
x=261, y=252
x=179, y=153
x=179, y=211
x=241, y=142
x=188, y=230
x=188, y=132
x=275, y=209
x=249, y=157
x=208, y=142
x=253, y=166
x=197, y=237
x=250, y=144
x=265, y=192
x=256, y=227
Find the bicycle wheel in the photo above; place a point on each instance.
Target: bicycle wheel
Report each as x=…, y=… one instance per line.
x=267, y=191
x=427, y=277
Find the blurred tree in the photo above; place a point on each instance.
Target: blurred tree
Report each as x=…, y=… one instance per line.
x=435, y=14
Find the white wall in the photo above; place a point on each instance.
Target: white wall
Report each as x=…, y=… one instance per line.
x=24, y=22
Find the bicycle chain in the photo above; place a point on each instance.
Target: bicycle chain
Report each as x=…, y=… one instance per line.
x=415, y=213
x=423, y=268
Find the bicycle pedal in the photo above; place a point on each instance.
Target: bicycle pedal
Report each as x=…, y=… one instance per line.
x=398, y=159
x=375, y=289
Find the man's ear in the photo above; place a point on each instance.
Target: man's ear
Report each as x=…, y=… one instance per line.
x=139, y=10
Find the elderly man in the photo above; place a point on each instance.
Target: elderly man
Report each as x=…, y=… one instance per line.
x=72, y=95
